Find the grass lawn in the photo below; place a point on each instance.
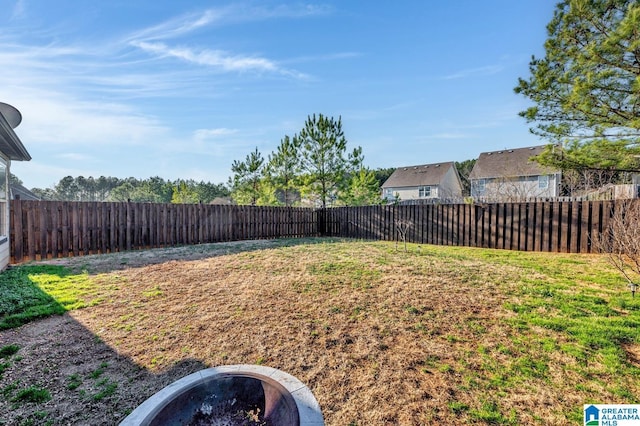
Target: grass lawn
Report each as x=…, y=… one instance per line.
x=434, y=335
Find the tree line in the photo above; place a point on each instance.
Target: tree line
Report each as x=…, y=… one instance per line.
x=151, y=190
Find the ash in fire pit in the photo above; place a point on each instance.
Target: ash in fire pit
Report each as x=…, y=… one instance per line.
x=241, y=395
x=228, y=399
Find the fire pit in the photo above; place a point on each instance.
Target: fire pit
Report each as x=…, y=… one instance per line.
x=231, y=395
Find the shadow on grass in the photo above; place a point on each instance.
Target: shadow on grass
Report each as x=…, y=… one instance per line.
x=85, y=381
x=77, y=377
x=80, y=378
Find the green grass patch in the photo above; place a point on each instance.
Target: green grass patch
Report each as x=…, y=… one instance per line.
x=108, y=389
x=36, y=291
x=457, y=407
x=39, y=418
x=335, y=274
x=3, y=367
x=8, y=350
x=8, y=390
x=93, y=381
x=559, y=304
x=490, y=413
x=98, y=371
x=32, y=394
x=74, y=381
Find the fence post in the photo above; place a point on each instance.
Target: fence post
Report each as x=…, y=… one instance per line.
x=322, y=225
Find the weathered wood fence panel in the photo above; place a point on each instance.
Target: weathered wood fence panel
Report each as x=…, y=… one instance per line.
x=529, y=226
x=52, y=229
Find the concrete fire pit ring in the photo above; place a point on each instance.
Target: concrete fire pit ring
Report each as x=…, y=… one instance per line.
x=282, y=399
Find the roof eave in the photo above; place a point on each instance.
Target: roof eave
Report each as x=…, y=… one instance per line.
x=10, y=144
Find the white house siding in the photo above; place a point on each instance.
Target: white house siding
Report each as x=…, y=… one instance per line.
x=11, y=149
x=5, y=255
x=5, y=245
x=450, y=186
x=410, y=193
x=405, y=183
x=516, y=188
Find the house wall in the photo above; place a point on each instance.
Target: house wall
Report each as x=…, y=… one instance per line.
x=409, y=193
x=516, y=188
x=5, y=246
x=5, y=254
x=450, y=186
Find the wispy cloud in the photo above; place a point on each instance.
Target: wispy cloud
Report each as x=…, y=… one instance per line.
x=218, y=59
x=155, y=40
x=79, y=98
x=177, y=26
x=475, y=72
x=213, y=58
x=56, y=118
x=207, y=134
x=232, y=14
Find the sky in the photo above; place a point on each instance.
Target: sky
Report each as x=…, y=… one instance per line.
x=181, y=89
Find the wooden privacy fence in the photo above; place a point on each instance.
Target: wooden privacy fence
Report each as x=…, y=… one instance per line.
x=52, y=229
x=532, y=226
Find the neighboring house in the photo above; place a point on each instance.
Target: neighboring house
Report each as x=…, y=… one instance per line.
x=511, y=175
x=19, y=192
x=426, y=182
x=11, y=149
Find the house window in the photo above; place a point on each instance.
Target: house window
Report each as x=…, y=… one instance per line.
x=543, y=182
x=480, y=186
x=388, y=192
x=424, y=192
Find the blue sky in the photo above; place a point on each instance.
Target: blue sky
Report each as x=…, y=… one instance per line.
x=180, y=89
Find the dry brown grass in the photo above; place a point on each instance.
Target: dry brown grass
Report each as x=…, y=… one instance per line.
x=379, y=336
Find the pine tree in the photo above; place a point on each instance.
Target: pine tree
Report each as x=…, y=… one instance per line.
x=586, y=89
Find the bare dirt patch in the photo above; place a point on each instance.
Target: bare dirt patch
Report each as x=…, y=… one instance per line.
x=633, y=353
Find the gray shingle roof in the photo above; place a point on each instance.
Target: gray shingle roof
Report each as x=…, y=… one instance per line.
x=23, y=193
x=425, y=174
x=509, y=163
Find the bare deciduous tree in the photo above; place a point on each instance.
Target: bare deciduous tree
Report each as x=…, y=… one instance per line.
x=620, y=241
x=402, y=226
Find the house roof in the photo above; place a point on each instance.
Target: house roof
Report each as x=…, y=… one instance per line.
x=10, y=144
x=509, y=163
x=19, y=191
x=425, y=174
